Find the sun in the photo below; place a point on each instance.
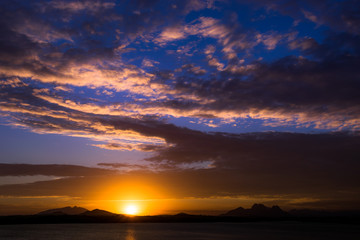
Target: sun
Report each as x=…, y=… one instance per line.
x=131, y=209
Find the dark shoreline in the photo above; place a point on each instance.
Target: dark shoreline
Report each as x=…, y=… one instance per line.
x=50, y=219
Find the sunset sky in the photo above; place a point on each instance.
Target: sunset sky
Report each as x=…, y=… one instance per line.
x=196, y=106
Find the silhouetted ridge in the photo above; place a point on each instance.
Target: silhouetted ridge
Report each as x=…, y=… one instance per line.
x=324, y=213
x=257, y=210
x=64, y=211
x=98, y=213
x=259, y=207
x=183, y=214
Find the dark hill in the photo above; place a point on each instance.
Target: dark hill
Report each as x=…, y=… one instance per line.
x=98, y=213
x=64, y=211
x=258, y=210
x=324, y=213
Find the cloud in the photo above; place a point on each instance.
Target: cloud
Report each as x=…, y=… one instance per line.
x=197, y=5
x=31, y=48
x=285, y=166
x=192, y=69
x=41, y=32
x=8, y=169
x=171, y=34
x=310, y=16
x=257, y=90
x=304, y=44
x=271, y=40
x=130, y=147
x=320, y=165
x=25, y=108
x=318, y=89
x=228, y=36
x=173, y=144
x=149, y=63
x=287, y=156
x=76, y=6
x=123, y=165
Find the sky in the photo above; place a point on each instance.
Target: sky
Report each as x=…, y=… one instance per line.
x=195, y=106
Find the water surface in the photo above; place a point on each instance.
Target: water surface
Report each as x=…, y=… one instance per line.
x=177, y=231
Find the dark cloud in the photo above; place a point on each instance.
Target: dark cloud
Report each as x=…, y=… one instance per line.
x=186, y=146
x=267, y=163
x=83, y=187
x=278, y=153
x=8, y=169
x=19, y=46
x=289, y=189
x=287, y=165
x=322, y=88
x=39, y=42
x=30, y=106
x=122, y=165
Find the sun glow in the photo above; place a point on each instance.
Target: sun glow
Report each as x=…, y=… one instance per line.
x=131, y=209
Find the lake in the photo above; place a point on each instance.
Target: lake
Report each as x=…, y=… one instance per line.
x=177, y=231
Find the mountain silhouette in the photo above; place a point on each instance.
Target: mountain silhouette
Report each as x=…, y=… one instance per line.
x=64, y=211
x=257, y=210
x=324, y=213
x=98, y=213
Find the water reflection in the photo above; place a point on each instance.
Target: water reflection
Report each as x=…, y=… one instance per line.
x=130, y=234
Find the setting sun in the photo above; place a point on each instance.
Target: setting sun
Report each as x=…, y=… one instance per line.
x=131, y=209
